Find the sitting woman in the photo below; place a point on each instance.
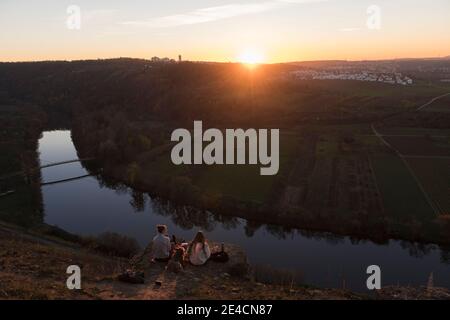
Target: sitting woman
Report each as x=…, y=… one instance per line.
x=198, y=250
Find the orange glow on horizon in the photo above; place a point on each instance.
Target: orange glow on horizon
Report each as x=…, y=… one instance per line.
x=251, y=58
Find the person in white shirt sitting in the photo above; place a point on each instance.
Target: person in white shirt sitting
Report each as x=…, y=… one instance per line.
x=198, y=250
x=161, y=245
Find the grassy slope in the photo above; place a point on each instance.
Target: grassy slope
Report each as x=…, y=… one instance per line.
x=35, y=268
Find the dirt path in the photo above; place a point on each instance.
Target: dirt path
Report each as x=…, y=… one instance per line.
x=431, y=101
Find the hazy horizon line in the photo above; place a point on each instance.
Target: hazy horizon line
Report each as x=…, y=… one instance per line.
x=232, y=61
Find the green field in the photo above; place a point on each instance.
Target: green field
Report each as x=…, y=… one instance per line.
x=441, y=105
x=413, y=131
x=434, y=174
x=244, y=181
x=376, y=89
x=401, y=195
x=240, y=181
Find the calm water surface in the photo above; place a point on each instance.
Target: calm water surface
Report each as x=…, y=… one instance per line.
x=87, y=207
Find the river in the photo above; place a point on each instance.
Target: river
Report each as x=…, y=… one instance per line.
x=87, y=207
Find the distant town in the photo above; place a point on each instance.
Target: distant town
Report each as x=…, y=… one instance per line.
x=365, y=75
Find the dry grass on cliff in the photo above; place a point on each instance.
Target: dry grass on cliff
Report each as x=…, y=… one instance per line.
x=35, y=268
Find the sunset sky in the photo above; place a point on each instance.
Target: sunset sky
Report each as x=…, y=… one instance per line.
x=220, y=30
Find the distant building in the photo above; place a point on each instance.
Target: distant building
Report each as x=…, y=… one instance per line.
x=179, y=58
x=162, y=60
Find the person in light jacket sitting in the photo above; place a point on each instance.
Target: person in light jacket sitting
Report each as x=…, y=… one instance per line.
x=198, y=250
x=161, y=245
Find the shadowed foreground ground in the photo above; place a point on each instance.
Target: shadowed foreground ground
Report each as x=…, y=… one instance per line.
x=32, y=267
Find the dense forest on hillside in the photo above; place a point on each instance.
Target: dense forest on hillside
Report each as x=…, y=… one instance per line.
x=20, y=127
x=219, y=93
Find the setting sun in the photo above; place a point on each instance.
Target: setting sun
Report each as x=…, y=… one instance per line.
x=251, y=58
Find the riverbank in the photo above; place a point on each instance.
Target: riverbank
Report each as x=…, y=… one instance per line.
x=20, y=192
x=178, y=191
x=298, y=197
x=92, y=206
x=34, y=267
